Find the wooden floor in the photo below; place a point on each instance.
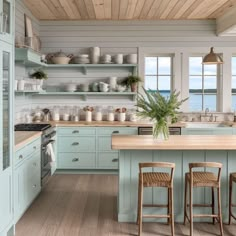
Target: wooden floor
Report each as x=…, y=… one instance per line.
x=85, y=205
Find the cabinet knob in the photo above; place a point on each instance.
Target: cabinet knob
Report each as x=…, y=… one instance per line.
x=116, y=132
x=75, y=131
x=115, y=160
x=20, y=157
x=75, y=159
x=34, y=186
x=35, y=147
x=75, y=143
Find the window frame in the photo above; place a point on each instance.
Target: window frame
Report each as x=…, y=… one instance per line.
x=218, y=85
x=157, y=55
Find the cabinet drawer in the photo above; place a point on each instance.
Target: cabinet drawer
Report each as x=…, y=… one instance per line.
x=76, y=160
x=76, y=131
x=104, y=143
x=109, y=160
x=27, y=150
x=76, y=144
x=117, y=130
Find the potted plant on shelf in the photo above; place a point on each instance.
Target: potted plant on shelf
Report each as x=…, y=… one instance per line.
x=132, y=82
x=159, y=109
x=39, y=75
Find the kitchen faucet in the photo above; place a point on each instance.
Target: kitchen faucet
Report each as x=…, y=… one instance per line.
x=206, y=111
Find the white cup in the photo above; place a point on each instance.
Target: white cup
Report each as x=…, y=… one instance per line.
x=118, y=59
x=21, y=85
x=121, y=116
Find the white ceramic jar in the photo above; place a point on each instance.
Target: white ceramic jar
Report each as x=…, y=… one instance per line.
x=118, y=58
x=121, y=116
x=21, y=85
x=94, y=55
x=88, y=116
x=112, y=83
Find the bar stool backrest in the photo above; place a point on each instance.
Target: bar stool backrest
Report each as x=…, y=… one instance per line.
x=205, y=165
x=158, y=165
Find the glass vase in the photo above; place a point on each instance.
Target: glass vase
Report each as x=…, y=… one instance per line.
x=160, y=129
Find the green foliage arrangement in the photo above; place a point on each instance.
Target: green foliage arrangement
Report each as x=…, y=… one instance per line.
x=159, y=109
x=131, y=79
x=39, y=74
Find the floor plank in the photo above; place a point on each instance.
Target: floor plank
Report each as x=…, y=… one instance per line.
x=86, y=205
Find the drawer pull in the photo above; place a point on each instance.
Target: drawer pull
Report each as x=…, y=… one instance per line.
x=115, y=160
x=75, y=143
x=75, y=159
x=75, y=131
x=34, y=147
x=20, y=157
x=34, y=186
x=116, y=132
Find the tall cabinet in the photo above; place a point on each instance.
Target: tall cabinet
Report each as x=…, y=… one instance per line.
x=6, y=116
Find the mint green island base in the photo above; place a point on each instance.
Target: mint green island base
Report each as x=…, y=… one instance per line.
x=128, y=174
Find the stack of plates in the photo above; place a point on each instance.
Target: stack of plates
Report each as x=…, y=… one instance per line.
x=106, y=59
x=82, y=59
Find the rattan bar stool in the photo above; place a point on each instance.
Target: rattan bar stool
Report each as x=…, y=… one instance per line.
x=203, y=179
x=156, y=179
x=232, y=178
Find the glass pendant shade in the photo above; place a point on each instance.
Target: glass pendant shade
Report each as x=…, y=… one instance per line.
x=212, y=58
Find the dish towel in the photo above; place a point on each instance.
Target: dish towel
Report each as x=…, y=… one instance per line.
x=50, y=153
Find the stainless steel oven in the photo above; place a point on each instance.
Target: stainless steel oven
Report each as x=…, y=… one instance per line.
x=47, y=153
x=148, y=130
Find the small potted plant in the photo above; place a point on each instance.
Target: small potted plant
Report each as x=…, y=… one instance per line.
x=132, y=82
x=39, y=75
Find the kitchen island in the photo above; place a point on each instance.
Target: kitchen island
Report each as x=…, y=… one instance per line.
x=178, y=149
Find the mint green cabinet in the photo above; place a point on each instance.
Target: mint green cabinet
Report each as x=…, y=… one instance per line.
x=207, y=131
x=27, y=176
x=7, y=21
x=106, y=157
x=6, y=138
x=89, y=147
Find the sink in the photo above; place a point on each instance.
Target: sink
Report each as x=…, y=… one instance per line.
x=205, y=125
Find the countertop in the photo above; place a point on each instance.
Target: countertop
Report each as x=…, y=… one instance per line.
x=175, y=142
x=108, y=123
x=24, y=137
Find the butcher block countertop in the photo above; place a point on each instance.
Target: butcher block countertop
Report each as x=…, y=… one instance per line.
x=24, y=137
x=108, y=123
x=175, y=142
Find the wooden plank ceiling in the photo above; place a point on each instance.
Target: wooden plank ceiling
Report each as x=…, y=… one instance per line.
x=128, y=9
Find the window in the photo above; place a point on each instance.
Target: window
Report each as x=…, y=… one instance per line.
x=233, y=83
x=202, y=85
x=159, y=74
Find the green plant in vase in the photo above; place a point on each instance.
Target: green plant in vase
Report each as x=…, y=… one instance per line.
x=132, y=82
x=39, y=75
x=159, y=109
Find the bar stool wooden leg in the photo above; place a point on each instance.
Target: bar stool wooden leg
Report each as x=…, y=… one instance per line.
x=230, y=197
x=169, y=207
x=219, y=211
x=185, y=199
x=213, y=204
x=172, y=212
x=140, y=210
x=191, y=208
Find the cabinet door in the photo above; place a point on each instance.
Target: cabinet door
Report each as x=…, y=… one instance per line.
x=6, y=131
x=7, y=20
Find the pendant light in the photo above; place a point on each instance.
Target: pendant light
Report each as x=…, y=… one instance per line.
x=212, y=58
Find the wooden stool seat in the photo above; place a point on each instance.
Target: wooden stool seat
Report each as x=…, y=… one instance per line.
x=202, y=179
x=156, y=179
x=232, y=179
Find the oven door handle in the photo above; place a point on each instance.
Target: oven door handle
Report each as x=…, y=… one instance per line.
x=45, y=145
x=51, y=134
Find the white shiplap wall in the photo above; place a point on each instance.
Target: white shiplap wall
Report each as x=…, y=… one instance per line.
x=121, y=37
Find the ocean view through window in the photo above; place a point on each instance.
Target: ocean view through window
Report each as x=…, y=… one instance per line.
x=202, y=85
x=159, y=73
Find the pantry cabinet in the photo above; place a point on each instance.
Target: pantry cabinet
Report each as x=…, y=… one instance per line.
x=6, y=136
x=89, y=147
